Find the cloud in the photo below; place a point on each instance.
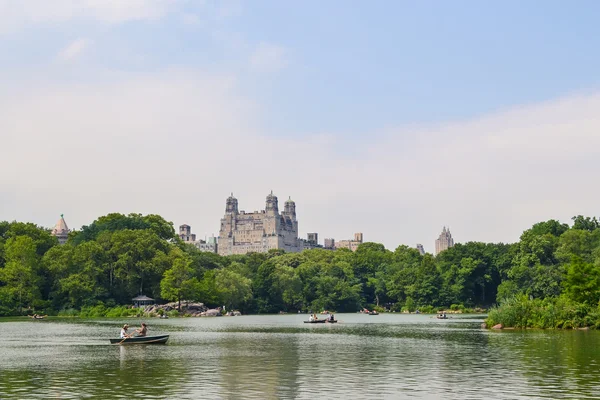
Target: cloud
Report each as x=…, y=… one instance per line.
x=177, y=142
x=268, y=57
x=73, y=49
x=15, y=14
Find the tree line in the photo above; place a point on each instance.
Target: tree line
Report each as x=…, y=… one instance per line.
x=118, y=257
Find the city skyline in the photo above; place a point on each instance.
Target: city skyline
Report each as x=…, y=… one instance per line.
x=390, y=119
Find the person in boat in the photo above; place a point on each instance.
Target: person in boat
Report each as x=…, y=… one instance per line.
x=331, y=317
x=124, y=333
x=143, y=330
x=311, y=319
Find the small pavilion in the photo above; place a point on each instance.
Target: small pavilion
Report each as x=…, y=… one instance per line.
x=142, y=301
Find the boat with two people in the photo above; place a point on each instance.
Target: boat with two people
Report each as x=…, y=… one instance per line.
x=442, y=315
x=141, y=338
x=314, y=320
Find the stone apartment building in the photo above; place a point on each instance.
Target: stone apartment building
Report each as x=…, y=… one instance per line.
x=349, y=243
x=260, y=231
x=186, y=235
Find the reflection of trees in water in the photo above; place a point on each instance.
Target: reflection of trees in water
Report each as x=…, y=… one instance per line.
x=259, y=364
x=551, y=361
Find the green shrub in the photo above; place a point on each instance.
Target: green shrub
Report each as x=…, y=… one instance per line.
x=69, y=312
x=549, y=313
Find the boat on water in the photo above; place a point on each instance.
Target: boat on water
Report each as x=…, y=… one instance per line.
x=373, y=313
x=331, y=321
x=316, y=321
x=442, y=316
x=141, y=340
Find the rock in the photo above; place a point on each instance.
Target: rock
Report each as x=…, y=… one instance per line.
x=497, y=326
x=483, y=325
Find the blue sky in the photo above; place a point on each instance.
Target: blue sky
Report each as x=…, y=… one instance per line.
x=344, y=103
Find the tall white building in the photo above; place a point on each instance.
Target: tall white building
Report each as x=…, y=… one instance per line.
x=444, y=242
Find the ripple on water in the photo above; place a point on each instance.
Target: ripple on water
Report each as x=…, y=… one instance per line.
x=264, y=357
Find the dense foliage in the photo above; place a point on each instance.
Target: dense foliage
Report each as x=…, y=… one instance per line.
x=553, y=267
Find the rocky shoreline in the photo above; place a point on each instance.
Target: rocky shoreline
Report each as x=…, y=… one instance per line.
x=191, y=309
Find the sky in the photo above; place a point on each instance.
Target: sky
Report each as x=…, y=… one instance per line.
x=391, y=118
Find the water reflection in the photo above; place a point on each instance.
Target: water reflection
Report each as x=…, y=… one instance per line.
x=272, y=357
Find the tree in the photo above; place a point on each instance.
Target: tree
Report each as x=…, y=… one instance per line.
x=21, y=284
x=235, y=289
x=179, y=281
x=585, y=223
x=582, y=282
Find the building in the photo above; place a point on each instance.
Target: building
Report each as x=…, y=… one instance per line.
x=444, y=242
x=350, y=244
x=186, y=235
x=421, y=249
x=311, y=242
x=329, y=243
x=209, y=245
x=60, y=230
x=260, y=231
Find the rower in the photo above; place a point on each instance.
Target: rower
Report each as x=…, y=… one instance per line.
x=124, y=334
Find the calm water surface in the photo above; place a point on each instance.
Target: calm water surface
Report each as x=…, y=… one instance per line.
x=389, y=356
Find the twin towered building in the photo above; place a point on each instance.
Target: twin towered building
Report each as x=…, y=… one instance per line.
x=260, y=231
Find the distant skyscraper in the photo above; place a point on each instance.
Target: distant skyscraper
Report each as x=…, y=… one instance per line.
x=444, y=242
x=313, y=238
x=421, y=249
x=61, y=231
x=329, y=243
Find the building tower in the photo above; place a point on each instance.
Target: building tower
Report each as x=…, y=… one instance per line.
x=444, y=241
x=272, y=205
x=231, y=205
x=329, y=243
x=61, y=231
x=358, y=237
x=290, y=208
x=185, y=233
x=421, y=249
x=313, y=238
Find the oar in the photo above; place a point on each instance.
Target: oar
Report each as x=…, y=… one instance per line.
x=124, y=339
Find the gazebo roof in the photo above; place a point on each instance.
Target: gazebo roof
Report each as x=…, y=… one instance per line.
x=142, y=297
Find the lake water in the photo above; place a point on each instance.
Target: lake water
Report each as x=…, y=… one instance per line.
x=388, y=356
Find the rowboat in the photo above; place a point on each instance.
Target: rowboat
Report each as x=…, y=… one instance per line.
x=316, y=321
x=142, y=340
x=331, y=321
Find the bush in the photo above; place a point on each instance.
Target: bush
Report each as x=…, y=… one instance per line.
x=68, y=312
x=549, y=313
x=427, y=309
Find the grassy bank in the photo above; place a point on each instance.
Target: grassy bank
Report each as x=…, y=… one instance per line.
x=548, y=313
